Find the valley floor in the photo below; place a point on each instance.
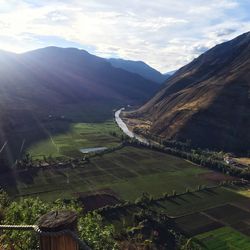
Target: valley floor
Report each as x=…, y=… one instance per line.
x=127, y=173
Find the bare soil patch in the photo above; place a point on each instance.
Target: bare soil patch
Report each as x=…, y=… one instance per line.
x=97, y=199
x=232, y=215
x=196, y=223
x=216, y=177
x=243, y=227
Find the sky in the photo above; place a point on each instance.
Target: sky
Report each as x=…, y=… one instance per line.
x=166, y=34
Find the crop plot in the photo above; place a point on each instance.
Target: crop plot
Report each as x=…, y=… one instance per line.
x=196, y=223
x=145, y=171
x=224, y=238
x=233, y=216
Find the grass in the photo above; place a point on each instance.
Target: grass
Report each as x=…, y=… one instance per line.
x=199, y=201
x=34, y=129
x=127, y=172
x=190, y=203
x=228, y=214
x=224, y=239
x=79, y=135
x=245, y=192
x=189, y=211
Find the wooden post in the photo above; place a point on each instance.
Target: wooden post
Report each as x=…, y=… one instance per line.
x=54, y=222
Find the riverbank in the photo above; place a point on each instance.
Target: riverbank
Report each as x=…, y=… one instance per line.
x=126, y=130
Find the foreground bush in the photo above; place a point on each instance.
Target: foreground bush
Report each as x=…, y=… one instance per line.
x=27, y=211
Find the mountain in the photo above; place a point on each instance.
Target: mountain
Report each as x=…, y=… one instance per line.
x=139, y=68
x=60, y=82
x=170, y=73
x=206, y=101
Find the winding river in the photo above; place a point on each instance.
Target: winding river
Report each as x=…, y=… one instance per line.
x=125, y=129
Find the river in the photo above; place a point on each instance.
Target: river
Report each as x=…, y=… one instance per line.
x=126, y=130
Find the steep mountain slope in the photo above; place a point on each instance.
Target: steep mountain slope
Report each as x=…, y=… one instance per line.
x=139, y=68
x=60, y=82
x=206, y=101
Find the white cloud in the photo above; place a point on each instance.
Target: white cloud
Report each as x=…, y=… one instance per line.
x=164, y=33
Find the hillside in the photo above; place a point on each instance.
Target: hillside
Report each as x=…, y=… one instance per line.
x=56, y=82
x=206, y=101
x=139, y=68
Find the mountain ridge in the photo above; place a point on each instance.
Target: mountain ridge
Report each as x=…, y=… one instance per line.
x=60, y=82
x=206, y=101
x=139, y=67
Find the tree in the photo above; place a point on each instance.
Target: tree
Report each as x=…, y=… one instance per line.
x=98, y=237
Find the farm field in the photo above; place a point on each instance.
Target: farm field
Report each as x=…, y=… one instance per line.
x=196, y=223
x=243, y=190
x=188, y=205
x=79, y=135
x=35, y=130
x=128, y=172
x=202, y=200
x=194, y=213
x=224, y=238
x=235, y=216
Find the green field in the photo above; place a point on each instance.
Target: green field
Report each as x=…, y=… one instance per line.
x=128, y=172
x=191, y=211
x=79, y=135
x=188, y=204
x=201, y=200
x=224, y=239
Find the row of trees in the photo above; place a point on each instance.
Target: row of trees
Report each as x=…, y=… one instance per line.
x=182, y=145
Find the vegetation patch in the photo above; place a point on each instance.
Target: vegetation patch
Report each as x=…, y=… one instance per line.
x=187, y=210
x=199, y=201
x=224, y=238
x=79, y=135
x=231, y=215
x=145, y=171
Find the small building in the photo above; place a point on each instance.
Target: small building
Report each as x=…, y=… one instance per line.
x=228, y=160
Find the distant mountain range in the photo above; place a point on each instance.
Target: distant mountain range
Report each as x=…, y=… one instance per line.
x=170, y=73
x=206, y=101
x=60, y=82
x=139, y=68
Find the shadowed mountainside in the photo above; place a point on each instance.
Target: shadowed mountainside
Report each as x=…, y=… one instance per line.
x=206, y=101
x=60, y=82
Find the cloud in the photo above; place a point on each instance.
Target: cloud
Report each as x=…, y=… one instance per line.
x=164, y=33
x=225, y=32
